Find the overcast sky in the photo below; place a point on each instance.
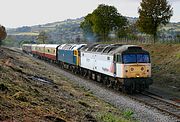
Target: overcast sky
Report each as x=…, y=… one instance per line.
x=15, y=13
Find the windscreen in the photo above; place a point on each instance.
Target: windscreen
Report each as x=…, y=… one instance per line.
x=136, y=58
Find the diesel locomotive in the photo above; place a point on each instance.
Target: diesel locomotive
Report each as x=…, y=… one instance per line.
x=122, y=67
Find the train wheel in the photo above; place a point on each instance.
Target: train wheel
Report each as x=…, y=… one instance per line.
x=127, y=90
x=89, y=74
x=85, y=72
x=117, y=86
x=124, y=90
x=105, y=80
x=99, y=79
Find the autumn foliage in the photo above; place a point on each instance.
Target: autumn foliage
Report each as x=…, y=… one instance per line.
x=3, y=33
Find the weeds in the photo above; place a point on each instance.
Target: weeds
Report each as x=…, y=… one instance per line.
x=109, y=117
x=20, y=96
x=128, y=113
x=178, y=56
x=3, y=87
x=84, y=104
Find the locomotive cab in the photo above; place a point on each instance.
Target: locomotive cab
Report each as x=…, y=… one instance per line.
x=134, y=67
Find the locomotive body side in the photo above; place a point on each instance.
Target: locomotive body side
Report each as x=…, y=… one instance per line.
x=69, y=54
x=97, y=62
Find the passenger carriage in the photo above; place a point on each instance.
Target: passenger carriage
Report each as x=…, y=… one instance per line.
x=33, y=51
x=50, y=51
x=40, y=50
x=27, y=48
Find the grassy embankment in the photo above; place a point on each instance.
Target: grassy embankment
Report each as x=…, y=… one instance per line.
x=23, y=98
x=165, y=66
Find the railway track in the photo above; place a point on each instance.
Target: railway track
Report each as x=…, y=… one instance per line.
x=159, y=103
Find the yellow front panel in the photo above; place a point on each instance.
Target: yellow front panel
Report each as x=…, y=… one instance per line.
x=137, y=71
x=77, y=57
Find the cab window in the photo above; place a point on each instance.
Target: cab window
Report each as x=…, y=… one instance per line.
x=117, y=58
x=136, y=58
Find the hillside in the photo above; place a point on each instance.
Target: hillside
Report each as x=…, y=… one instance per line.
x=31, y=92
x=58, y=32
x=69, y=30
x=165, y=66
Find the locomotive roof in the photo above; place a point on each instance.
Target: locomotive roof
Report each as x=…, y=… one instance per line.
x=110, y=48
x=70, y=46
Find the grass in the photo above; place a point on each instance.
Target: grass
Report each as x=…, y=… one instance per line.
x=110, y=117
x=84, y=104
x=128, y=113
x=178, y=56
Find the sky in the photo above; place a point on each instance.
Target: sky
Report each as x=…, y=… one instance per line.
x=17, y=13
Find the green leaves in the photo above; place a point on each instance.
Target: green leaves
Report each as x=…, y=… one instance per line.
x=152, y=14
x=103, y=20
x=3, y=33
x=42, y=37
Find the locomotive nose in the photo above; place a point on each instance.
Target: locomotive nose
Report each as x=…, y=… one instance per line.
x=136, y=71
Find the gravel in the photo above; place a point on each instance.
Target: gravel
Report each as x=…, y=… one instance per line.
x=141, y=111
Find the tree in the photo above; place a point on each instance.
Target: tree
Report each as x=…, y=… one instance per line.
x=3, y=33
x=122, y=33
x=86, y=26
x=152, y=14
x=103, y=20
x=42, y=37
